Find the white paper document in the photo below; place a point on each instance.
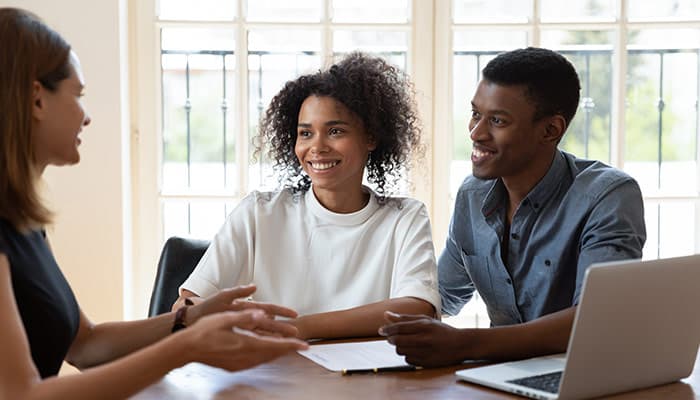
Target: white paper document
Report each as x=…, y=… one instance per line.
x=356, y=357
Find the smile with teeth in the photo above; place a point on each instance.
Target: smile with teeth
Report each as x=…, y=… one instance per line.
x=479, y=154
x=323, y=165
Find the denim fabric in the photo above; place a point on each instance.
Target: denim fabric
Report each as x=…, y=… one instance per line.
x=581, y=212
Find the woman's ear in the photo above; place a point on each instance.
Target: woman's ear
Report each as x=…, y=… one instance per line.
x=371, y=143
x=38, y=103
x=554, y=129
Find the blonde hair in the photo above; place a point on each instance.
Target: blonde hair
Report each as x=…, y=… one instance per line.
x=30, y=51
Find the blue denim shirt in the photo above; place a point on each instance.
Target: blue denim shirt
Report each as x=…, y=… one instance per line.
x=581, y=212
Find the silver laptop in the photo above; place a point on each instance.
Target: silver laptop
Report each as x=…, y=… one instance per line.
x=637, y=325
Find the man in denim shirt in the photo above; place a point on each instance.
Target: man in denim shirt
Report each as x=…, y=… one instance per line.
x=528, y=222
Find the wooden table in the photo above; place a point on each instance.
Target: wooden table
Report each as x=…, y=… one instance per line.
x=295, y=377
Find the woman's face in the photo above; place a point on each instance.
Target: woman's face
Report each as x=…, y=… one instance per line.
x=332, y=144
x=58, y=119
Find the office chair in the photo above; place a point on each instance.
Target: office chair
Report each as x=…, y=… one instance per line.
x=177, y=261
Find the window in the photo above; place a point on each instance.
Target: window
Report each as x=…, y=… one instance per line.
x=217, y=79
x=218, y=62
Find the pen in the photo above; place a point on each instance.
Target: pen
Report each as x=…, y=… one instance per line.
x=376, y=370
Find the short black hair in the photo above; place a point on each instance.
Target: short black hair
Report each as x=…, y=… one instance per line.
x=550, y=80
x=380, y=94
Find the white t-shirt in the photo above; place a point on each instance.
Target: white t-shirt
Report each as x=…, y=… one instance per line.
x=303, y=256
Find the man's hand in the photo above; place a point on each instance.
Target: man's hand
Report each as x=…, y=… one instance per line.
x=426, y=341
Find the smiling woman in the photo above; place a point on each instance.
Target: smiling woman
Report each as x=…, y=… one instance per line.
x=43, y=325
x=59, y=117
x=337, y=251
x=333, y=147
x=376, y=95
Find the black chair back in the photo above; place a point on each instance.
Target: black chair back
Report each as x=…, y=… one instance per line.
x=177, y=261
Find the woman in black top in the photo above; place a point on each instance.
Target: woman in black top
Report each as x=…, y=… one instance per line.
x=42, y=325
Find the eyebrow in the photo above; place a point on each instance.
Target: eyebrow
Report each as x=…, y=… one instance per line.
x=328, y=123
x=474, y=107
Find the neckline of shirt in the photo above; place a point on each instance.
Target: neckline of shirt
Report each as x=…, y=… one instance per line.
x=355, y=218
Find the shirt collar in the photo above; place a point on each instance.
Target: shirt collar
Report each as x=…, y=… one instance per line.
x=494, y=199
x=545, y=188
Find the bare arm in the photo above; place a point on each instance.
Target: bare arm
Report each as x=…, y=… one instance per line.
x=359, y=321
x=97, y=344
x=429, y=342
x=355, y=322
x=548, y=334
x=20, y=379
x=211, y=340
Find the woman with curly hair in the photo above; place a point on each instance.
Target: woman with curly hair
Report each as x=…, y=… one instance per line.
x=337, y=251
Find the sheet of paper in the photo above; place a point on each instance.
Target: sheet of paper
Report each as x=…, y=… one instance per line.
x=355, y=356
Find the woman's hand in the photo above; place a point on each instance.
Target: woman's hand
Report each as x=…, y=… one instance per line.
x=227, y=340
x=235, y=299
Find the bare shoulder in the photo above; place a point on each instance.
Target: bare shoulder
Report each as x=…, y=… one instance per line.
x=4, y=265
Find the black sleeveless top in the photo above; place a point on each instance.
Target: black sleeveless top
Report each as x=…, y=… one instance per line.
x=46, y=303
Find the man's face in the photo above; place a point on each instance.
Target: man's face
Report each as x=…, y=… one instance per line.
x=506, y=140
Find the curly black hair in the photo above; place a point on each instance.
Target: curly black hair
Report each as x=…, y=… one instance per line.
x=550, y=79
x=380, y=94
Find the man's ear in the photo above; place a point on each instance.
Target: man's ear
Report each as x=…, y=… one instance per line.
x=554, y=129
x=38, y=101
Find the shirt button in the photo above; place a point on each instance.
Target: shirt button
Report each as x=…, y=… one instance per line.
x=508, y=281
x=547, y=263
x=514, y=236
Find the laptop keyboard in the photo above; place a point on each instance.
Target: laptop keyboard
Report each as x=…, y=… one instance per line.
x=545, y=382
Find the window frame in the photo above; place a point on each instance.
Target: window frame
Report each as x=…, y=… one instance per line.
x=429, y=61
x=147, y=152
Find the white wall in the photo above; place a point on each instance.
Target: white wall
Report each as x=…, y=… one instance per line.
x=90, y=237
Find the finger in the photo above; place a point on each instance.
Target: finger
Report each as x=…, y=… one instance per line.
x=231, y=294
x=262, y=332
x=285, y=344
x=392, y=317
x=255, y=319
x=411, y=352
x=230, y=319
x=412, y=355
x=419, y=360
x=410, y=341
x=275, y=343
x=269, y=308
x=404, y=328
x=276, y=327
